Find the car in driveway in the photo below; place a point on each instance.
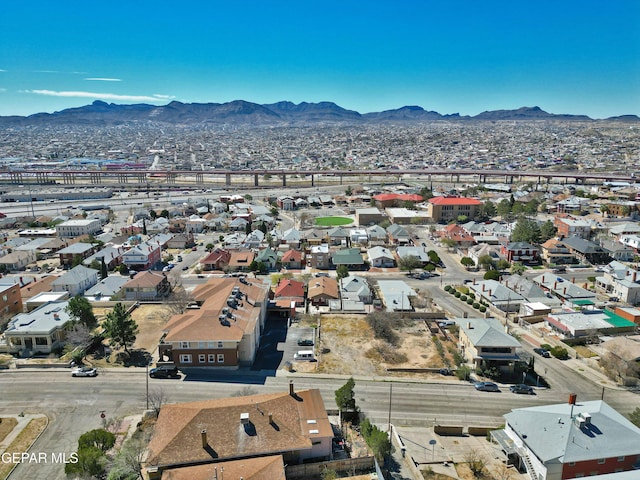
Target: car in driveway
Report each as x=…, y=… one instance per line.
x=305, y=342
x=84, y=372
x=542, y=352
x=486, y=387
x=522, y=389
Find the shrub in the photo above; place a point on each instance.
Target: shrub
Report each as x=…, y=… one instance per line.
x=453, y=291
x=457, y=294
x=447, y=288
x=476, y=305
x=470, y=301
x=560, y=352
x=482, y=308
x=463, y=298
x=472, y=295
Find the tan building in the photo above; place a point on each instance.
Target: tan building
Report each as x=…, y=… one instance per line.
x=445, y=209
x=223, y=330
x=198, y=436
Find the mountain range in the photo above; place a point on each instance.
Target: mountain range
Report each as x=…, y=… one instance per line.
x=241, y=112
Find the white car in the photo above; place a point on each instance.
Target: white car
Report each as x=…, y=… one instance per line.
x=84, y=372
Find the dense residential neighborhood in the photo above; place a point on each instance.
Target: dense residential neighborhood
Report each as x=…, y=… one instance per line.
x=453, y=282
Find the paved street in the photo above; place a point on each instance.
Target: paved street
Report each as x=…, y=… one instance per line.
x=74, y=404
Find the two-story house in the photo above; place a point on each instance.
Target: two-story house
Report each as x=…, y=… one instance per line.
x=484, y=344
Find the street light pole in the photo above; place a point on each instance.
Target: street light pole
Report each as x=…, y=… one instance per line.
x=147, y=378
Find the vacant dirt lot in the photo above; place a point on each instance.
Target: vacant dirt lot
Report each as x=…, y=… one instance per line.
x=347, y=346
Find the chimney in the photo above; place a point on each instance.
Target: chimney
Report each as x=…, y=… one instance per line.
x=291, y=390
x=564, y=291
x=555, y=285
x=271, y=419
x=634, y=275
x=469, y=327
x=483, y=285
x=573, y=280
x=203, y=437
x=573, y=398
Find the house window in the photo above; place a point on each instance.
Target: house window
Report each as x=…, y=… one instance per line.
x=41, y=340
x=572, y=464
x=601, y=461
x=212, y=358
x=202, y=344
x=4, y=298
x=184, y=344
x=220, y=358
x=201, y=358
x=185, y=358
x=621, y=459
x=220, y=345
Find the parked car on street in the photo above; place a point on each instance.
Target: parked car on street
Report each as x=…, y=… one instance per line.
x=542, y=352
x=305, y=343
x=522, y=389
x=486, y=387
x=164, y=371
x=84, y=372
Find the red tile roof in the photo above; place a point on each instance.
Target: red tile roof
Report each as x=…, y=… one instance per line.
x=289, y=288
x=411, y=197
x=454, y=201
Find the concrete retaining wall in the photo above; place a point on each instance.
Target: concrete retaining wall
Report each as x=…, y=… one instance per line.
x=448, y=430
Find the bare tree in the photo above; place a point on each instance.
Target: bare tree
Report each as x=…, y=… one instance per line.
x=614, y=366
x=157, y=398
x=177, y=301
x=128, y=462
x=502, y=472
x=476, y=463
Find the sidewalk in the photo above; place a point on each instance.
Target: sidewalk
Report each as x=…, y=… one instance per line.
x=23, y=421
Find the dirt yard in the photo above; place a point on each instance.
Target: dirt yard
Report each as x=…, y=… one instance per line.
x=150, y=319
x=347, y=346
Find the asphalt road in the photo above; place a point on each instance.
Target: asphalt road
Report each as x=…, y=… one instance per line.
x=74, y=405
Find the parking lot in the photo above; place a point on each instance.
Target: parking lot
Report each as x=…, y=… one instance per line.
x=279, y=343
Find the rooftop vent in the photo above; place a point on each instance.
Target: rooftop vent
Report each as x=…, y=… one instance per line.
x=244, y=418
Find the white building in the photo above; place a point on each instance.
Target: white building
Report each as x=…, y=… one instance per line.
x=77, y=228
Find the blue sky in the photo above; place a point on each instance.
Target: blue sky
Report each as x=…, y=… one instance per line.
x=465, y=56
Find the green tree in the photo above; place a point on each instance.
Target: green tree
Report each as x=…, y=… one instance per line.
x=91, y=462
x=492, y=275
x=120, y=328
x=448, y=242
x=153, y=214
x=485, y=262
x=488, y=209
x=123, y=269
x=526, y=231
x=377, y=440
x=433, y=257
x=248, y=197
x=635, y=417
x=504, y=208
x=518, y=268
x=409, y=263
x=103, y=269
x=348, y=191
x=547, y=231
x=98, y=438
x=346, y=398
x=467, y=262
x=95, y=264
x=77, y=260
x=164, y=213
x=81, y=311
x=426, y=193
x=502, y=264
x=342, y=271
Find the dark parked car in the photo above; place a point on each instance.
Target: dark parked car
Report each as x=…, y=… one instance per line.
x=542, y=352
x=522, y=388
x=486, y=387
x=305, y=343
x=164, y=371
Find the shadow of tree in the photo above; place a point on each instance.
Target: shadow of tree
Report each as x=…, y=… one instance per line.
x=135, y=358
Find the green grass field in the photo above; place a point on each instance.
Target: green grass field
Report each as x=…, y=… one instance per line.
x=333, y=221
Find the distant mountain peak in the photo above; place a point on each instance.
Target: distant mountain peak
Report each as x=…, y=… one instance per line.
x=284, y=112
